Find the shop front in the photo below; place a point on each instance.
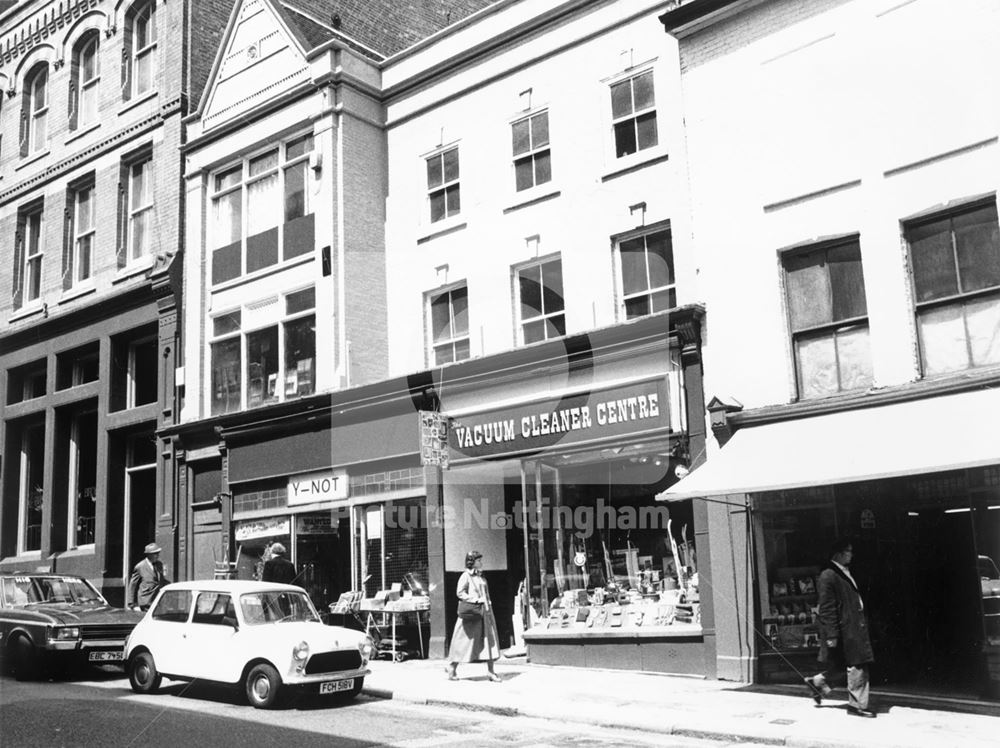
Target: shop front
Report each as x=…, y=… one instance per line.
x=340, y=489
x=924, y=518
x=557, y=488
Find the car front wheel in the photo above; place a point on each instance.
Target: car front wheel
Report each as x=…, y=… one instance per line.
x=24, y=659
x=262, y=686
x=142, y=673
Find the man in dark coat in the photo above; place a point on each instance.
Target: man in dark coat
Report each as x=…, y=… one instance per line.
x=146, y=579
x=844, y=640
x=278, y=568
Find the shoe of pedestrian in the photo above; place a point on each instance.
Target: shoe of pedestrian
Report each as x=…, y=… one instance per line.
x=494, y=677
x=858, y=712
x=817, y=695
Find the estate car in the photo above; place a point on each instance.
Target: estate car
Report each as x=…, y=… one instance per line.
x=45, y=618
x=261, y=636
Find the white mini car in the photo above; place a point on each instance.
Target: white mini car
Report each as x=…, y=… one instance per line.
x=262, y=636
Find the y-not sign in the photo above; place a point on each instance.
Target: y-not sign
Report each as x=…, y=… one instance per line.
x=308, y=488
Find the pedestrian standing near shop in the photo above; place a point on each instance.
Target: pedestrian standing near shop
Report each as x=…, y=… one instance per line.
x=146, y=580
x=475, y=636
x=278, y=568
x=844, y=640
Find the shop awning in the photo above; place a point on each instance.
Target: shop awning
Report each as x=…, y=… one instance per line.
x=920, y=436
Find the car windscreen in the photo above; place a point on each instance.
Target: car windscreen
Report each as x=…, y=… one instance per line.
x=50, y=589
x=276, y=606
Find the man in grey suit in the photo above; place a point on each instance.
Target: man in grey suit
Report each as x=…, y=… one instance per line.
x=146, y=580
x=844, y=640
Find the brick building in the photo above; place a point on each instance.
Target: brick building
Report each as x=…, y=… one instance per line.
x=843, y=184
x=91, y=227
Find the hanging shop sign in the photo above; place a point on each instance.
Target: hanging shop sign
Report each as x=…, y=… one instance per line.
x=556, y=423
x=261, y=528
x=433, y=438
x=308, y=488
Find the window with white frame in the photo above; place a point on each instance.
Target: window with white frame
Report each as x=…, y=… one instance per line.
x=31, y=488
x=449, y=325
x=443, y=191
x=646, y=265
x=828, y=317
x=955, y=261
x=143, y=372
x=260, y=205
x=35, y=110
x=28, y=254
x=136, y=210
x=139, y=60
x=272, y=362
x=81, y=257
x=541, y=309
x=85, y=77
x=633, y=112
x=532, y=154
x=82, y=488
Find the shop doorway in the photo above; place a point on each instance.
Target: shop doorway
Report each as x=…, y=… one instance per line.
x=925, y=560
x=918, y=537
x=140, y=513
x=323, y=555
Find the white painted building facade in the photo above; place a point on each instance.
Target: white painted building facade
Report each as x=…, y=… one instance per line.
x=843, y=165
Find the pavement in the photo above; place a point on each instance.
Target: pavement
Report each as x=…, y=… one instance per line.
x=671, y=704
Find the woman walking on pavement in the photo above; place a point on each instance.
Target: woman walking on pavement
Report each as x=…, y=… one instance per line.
x=475, y=635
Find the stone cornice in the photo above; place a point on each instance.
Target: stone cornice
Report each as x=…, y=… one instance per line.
x=116, y=140
x=22, y=38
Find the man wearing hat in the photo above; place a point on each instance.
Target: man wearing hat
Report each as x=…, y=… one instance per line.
x=278, y=568
x=146, y=580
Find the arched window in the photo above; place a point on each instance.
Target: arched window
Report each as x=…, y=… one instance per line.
x=85, y=78
x=139, y=55
x=35, y=110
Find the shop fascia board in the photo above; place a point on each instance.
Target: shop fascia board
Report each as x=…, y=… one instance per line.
x=364, y=403
x=110, y=309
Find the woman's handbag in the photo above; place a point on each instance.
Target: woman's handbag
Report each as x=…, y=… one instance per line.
x=470, y=611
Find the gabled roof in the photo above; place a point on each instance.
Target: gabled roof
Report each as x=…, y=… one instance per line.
x=376, y=29
x=382, y=26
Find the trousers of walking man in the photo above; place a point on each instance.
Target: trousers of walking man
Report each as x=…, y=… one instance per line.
x=844, y=640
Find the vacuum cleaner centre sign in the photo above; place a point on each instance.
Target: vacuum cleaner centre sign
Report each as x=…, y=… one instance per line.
x=568, y=420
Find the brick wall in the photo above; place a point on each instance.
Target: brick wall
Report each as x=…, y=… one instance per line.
x=748, y=27
x=364, y=253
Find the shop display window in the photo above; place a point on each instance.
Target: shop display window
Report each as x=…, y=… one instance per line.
x=789, y=524
x=615, y=560
x=392, y=546
x=253, y=553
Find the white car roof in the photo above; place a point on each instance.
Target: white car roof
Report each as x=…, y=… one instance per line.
x=233, y=586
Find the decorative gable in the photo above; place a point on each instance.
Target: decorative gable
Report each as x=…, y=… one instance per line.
x=261, y=60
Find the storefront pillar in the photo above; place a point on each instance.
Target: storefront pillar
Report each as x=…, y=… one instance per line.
x=689, y=335
x=728, y=588
x=433, y=483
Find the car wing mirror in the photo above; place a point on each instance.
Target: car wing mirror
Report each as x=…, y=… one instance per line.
x=230, y=621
